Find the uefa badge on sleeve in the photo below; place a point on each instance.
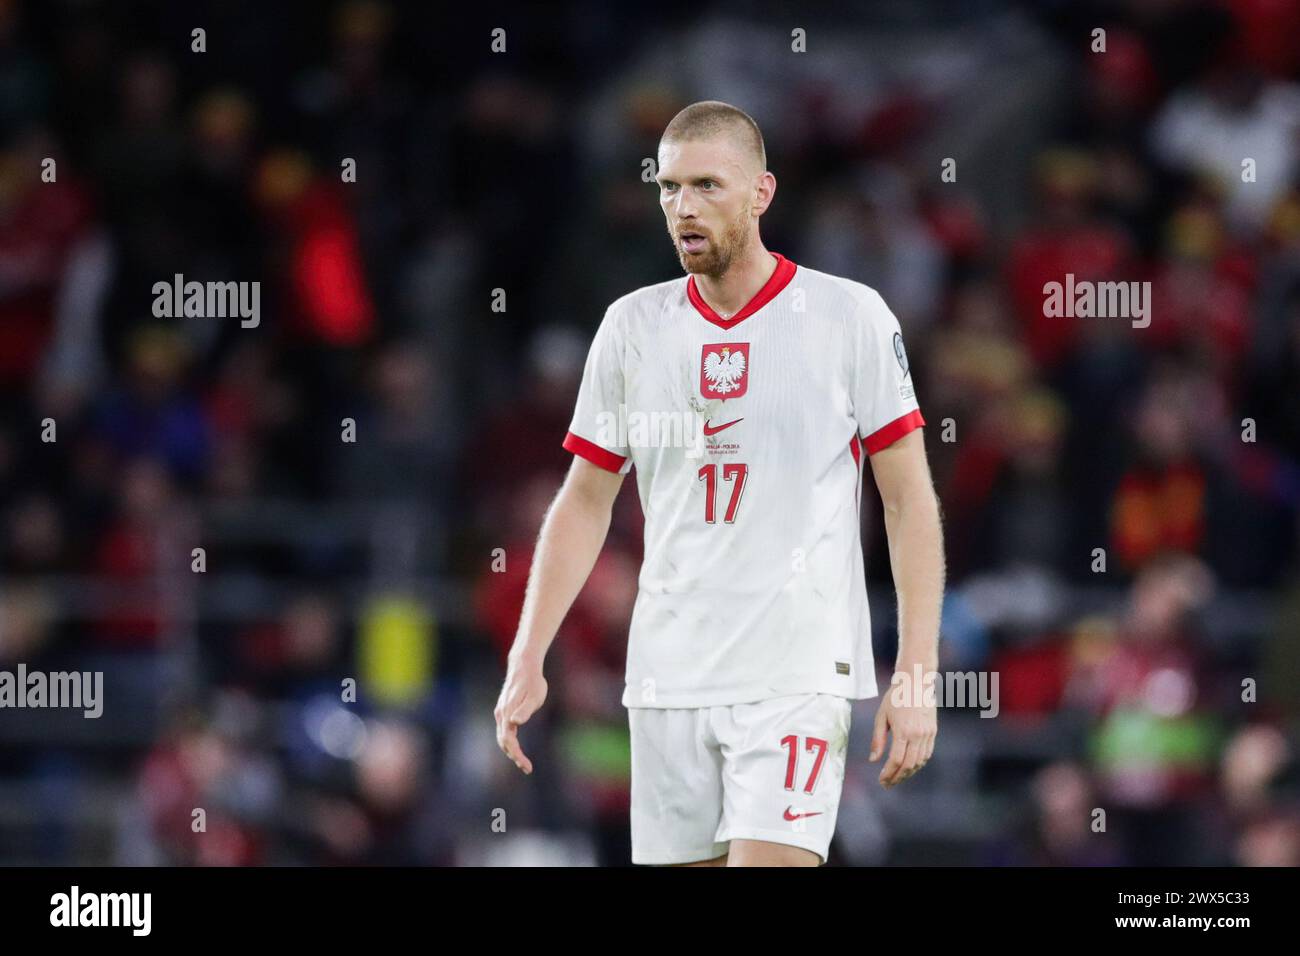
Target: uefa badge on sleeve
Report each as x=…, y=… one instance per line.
x=905, y=389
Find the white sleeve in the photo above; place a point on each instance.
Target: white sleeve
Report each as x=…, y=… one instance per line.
x=884, y=396
x=595, y=433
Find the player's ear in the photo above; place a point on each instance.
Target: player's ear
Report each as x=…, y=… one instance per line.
x=764, y=190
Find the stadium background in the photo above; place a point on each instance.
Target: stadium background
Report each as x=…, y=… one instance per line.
x=521, y=171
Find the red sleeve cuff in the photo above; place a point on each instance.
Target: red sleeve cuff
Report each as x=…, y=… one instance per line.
x=882, y=438
x=594, y=453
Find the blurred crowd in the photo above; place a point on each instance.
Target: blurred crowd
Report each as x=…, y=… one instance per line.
x=314, y=684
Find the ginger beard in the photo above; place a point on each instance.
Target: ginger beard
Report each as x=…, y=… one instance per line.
x=717, y=255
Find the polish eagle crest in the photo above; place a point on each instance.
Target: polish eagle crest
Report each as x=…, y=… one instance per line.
x=724, y=370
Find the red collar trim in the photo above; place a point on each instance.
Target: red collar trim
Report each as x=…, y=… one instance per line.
x=779, y=279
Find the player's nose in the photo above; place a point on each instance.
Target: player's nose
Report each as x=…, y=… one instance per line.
x=682, y=206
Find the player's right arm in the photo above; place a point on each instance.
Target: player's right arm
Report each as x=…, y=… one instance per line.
x=572, y=535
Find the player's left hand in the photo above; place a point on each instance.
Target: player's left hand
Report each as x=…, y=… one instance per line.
x=522, y=693
x=914, y=726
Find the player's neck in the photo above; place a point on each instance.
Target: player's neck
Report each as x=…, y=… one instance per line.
x=729, y=293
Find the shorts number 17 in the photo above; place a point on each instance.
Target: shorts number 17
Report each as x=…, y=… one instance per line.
x=791, y=742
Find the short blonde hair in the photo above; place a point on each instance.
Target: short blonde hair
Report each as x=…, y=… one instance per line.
x=710, y=118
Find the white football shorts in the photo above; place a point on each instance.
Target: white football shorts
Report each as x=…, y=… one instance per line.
x=771, y=770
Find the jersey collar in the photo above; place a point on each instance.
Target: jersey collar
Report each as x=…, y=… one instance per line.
x=779, y=279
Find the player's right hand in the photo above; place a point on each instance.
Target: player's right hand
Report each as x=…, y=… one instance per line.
x=523, y=692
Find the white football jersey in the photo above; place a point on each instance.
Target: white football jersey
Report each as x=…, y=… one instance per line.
x=747, y=437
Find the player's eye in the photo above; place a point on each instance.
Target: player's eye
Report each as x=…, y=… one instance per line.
x=669, y=187
x=707, y=185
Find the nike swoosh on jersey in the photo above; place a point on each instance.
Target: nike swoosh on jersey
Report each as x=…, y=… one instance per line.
x=800, y=816
x=717, y=428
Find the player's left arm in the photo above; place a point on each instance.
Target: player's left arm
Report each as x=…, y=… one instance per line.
x=915, y=535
